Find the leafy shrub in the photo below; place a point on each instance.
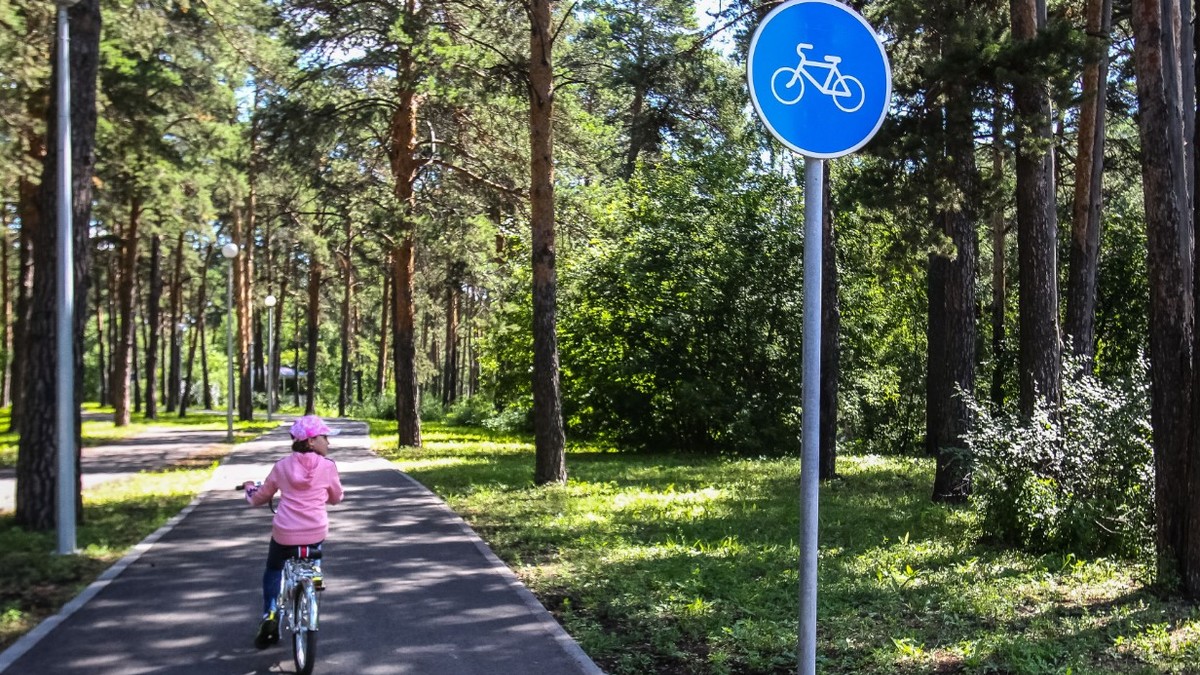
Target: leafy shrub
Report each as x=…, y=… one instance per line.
x=431, y=409
x=1081, y=482
x=382, y=407
x=470, y=412
x=515, y=418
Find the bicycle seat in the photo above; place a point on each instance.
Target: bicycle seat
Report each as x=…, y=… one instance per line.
x=833, y=59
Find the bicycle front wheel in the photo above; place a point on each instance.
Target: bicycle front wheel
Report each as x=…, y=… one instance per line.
x=304, y=637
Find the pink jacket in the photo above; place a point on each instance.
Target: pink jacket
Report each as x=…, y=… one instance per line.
x=307, y=481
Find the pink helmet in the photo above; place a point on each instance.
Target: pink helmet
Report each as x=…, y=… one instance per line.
x=311, y=426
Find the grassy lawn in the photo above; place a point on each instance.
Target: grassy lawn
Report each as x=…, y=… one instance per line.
x=117, y=515
x=684, y=564
x=100, y=431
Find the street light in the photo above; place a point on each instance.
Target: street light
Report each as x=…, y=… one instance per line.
x=230, y=251
x=269, y=301
x=66, y=408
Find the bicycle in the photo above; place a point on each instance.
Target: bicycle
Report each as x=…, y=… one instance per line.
x=299, y=604
x=843, y=89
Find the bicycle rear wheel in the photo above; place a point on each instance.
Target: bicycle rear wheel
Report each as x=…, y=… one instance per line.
x=304, y=640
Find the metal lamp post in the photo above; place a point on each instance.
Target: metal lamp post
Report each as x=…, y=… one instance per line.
x=269, y=301
x=230, y=251
x=64, y=430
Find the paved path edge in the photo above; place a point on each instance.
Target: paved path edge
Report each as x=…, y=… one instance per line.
x=567, y=643
x=27, y=641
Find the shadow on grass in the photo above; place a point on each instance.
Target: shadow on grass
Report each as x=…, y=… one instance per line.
x=689, y=564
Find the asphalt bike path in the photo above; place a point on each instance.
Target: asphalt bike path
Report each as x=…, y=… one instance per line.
x=410, y=589
x=153, y=448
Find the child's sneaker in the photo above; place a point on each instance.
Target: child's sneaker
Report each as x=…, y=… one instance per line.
x=318, y=583
x=268, y=632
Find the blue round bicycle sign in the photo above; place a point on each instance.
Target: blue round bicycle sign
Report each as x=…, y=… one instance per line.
x=819, y=77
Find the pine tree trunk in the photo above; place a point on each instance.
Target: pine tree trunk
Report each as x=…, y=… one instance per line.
x=1170, y=240
x=37, y=472
x=347, y=303
x=5, y=300
x=1040, y=345
x=175, y=359
x=405, y=353
x=1089, y=175
x=549, y=438
x=404, y=165
x=385, y=311
x=30, y=222
x=153, y=322
x=123, y=358
x=197, y=331
x=243, y=275
x=952, y=481
x=450, y=363
x=314, y=316
x=1000, y=356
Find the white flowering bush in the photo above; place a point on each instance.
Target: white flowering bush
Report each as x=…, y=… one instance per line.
x=1080, y=480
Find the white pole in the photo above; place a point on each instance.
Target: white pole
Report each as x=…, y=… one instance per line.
x=65, y=343
x=229, y=355
x=230, y=251
x=814, y=185
x=270, y=369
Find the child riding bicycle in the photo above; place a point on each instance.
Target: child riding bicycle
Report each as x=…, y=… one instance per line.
x=307, y=480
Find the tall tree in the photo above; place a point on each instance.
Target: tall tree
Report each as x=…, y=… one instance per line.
x=153, y=322
x=1171, y=243
x=549, y=437
x=1040, y=345
x=1089, y=176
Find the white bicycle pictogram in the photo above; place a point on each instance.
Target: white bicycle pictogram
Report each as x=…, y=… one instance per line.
x=846, y=91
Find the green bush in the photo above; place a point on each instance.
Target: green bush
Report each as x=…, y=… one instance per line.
x=470, y=412
x=382, y=407
x=431, y=409
x=1080, y=481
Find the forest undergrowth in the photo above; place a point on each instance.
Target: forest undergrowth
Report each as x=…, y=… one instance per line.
x=668, y=564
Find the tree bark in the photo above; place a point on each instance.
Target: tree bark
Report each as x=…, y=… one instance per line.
x=314, y=316
x=123, y=358
x=952, y=481
x=197, y=332
x=154, y=320
x=101, y=341
x=1089, y=175
x=1040, y=345
x=1000, y=353
x=175, y=359
x=450, y=363
x=37, y=472
x=549, y=437
x=385, y=311
x=243, y=276
x=1171, y=242
x=347, y=336
x=6, y=302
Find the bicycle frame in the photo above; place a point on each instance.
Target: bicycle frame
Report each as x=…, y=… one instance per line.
x=823, y=87
x=298, y=576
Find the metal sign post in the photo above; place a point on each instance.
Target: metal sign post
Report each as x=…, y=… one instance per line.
x=821, y=83
x=65, y=406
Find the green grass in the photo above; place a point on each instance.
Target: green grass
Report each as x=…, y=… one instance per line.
x=117, y=515
x=100, y=431
x=685, y=564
